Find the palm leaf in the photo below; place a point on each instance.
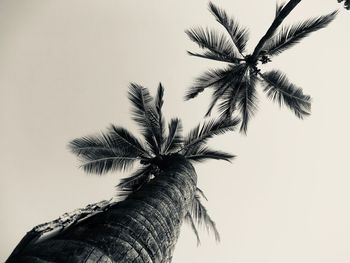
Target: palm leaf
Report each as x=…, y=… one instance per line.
x=212, y=56
x=86, y=144
x=201, y=193
x=115, y=150
x=218, y=95
x=144, y=114
x=200, y=215
x=117, y=140
x=247, y=100
x=230, y=93
x=190, y=221
x=123, y=139
x=238, y=34
x=132, y=183
x=216, y=44
x=225, y=91
x=289, y=36
x=201, y=133
x=161, y=123
x=279, y=89
x=203, y=153
x=101, y=162
x=174, y=139
x=210, y=78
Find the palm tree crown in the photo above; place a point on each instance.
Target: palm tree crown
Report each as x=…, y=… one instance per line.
x=118, y=149
x=235, y=86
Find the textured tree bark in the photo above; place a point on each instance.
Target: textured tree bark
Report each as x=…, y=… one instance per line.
x=143, y=228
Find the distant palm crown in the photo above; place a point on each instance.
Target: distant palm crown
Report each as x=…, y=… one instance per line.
x=118, y=149
x=235, y=86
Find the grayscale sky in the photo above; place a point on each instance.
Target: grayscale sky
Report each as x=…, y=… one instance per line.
x=64, y=71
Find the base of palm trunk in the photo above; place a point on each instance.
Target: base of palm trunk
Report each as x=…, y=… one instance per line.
x=143, y=228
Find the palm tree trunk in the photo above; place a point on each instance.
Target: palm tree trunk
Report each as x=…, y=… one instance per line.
x=143, y=228
x=275, y=24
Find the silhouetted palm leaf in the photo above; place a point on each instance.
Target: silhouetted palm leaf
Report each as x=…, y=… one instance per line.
x=123, y=139
x=289, y=36
x=189, y=220
x=201, y=193
x=201, y=133
x=145, y=114
x=161, y=123
x=133, y=182
x=229, y=93
x=210, y=78
x=247, y=101
x=112, y=161
x=238, y=34
x=217, y=45
x=201, y=217
x=203, y=153
x=174, y=138
x=227, y=88
x=115, y=150
x=279, y=89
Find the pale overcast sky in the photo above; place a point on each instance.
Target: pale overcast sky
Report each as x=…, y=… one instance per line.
x=64, y=71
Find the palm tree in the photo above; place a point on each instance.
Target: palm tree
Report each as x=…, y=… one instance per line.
x=235, y=85
x=158, y=196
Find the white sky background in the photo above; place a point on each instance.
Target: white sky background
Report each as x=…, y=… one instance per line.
x=64, y=71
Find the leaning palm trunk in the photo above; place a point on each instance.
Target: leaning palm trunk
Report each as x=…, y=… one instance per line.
x=143, y=228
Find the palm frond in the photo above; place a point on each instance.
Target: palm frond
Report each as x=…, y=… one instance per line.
x=229, y=94
x=216, y=96
x=289, y=36
x=247, y=101
x=201, y=193
x=134, y=182
x=203, y=153
x=190, y=221
x=279, y=89
x=161, y=122
x=238, y=34
x=121, y=138
x=145, y=115
x=216, y=44
x=212, y=56
x=209, y=78
x=118, y=140
x=174, y=139
x=115, y=150
x=86, y=144
x=101, y=162
x=200, y=215
x=201, y=133
x=225, y=91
